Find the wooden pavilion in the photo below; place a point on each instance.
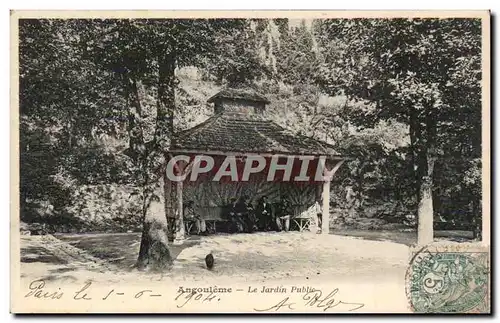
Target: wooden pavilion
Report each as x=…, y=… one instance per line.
x=240, y=129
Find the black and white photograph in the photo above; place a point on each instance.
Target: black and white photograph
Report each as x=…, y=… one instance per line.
x=251, y=162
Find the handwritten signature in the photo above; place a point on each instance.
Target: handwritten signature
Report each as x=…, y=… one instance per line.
x=314, y=299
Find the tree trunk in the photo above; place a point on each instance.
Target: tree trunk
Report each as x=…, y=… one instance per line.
x=425, y=212
x=425, y=154
x=472, y=221
x=169, y=207
x=137, y=147
x=475, y=219
x=415, y=142
x=165, y=108
x=165, y=105
x=154, y=253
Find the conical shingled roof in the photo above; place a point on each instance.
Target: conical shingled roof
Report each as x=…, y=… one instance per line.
x=247, y=134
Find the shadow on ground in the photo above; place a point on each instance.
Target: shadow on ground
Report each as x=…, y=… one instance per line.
x=257, y=257
x=32, y=254
x=406, y=238
x=120, y=249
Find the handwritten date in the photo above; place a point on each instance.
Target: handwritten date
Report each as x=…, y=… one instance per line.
x=192, y=297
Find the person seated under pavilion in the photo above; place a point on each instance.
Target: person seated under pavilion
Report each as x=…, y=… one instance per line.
x=241, y=215
x=264, y=214
x=191, y=216
x=283, y=215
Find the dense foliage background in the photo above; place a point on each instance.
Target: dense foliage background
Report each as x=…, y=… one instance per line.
x=396, y=95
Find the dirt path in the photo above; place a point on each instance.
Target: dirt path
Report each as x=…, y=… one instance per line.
x=242, y=257
x=264, y=256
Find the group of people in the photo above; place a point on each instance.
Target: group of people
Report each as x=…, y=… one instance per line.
x=242, y=216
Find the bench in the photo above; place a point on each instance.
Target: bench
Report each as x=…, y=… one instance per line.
x=302, y=217
x=212, y=224
x=189, y=224
x=213, y=218
x=210, y=215
x=303, y=223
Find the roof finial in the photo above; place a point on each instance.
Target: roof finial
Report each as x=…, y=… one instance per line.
x=240, y=101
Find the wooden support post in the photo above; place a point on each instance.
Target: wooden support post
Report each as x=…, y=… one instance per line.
x=180, y=232
x=169, y=212
x=325, y=228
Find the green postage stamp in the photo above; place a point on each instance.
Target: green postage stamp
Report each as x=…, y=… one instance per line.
x=442, y=280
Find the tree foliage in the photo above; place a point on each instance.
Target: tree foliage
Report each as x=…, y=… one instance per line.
x=422, y=72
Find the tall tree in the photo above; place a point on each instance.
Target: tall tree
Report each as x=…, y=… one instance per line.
x=65, y=101
x=236, y=59
x=424, y=72
x=149, y=52
x=297, y=56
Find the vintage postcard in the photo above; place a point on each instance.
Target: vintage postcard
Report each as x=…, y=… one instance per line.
x=250, y=162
